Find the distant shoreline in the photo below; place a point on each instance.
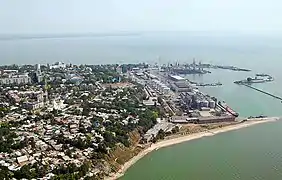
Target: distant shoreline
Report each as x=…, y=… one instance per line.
x=62, y=36
x=170, y=142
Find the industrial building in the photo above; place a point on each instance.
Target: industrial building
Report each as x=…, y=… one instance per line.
x=197, y=100
x=151, y=76
x=158, y=85
x=181, y=86
x=151, y=133
x=201, y=120
x=215, y=119
x=176, y=78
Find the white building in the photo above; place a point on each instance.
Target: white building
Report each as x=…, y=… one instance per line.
x=16, y=79
x=58, y=65
x=160, y=86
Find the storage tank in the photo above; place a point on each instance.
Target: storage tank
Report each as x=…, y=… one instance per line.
x=205, y=103
x=212, y=104
x=198, y=103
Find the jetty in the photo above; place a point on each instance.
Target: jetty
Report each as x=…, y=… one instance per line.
x=262, y=91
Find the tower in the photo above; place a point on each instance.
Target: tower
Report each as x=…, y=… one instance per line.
x=194, y=64
x=38, y=73
x=37, y=67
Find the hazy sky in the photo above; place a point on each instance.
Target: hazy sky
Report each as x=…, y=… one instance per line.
x=78, y=16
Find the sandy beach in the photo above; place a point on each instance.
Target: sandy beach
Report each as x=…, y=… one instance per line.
x=182, y=139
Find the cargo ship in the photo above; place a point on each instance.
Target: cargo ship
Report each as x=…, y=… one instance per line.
x=228, y=109
x=190, y=71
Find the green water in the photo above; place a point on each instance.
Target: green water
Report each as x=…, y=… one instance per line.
x=253, y=153
x=250, y=153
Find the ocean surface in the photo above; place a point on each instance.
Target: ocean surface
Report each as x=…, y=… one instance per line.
x=253, y=153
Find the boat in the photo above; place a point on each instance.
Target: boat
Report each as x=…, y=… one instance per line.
x=229, y=110
x=262, y=75
x=256, y=117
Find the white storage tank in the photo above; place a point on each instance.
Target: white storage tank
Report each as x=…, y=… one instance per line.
x=205, y=103
x=212, y=104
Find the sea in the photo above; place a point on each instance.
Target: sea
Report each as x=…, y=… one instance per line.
x=253, y=153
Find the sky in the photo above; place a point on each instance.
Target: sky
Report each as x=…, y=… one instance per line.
x=96, y=16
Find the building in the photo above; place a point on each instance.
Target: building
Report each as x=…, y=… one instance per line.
x=215, y=119
x=33, y=105
x=6, y=71
x=22, y=160
x=119, y=69
x=57, y=65
x=158, y=85
x=76, y=80
x=39, y=77
x=201, y=120
x=151, y=76
x=181, y=119
x=15, y=79
x=176, y=78
x=181, y=86
x=14, y=96
x=152, y=133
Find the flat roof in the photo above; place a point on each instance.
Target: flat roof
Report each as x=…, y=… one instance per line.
x=182, y=84
x=216, y=118
x=177, y=77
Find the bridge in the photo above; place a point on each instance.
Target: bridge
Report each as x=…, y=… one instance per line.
x=264, y=92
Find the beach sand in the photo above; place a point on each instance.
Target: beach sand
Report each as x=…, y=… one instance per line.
x=182, y=139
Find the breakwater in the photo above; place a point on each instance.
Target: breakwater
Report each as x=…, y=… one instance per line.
x=264, y=92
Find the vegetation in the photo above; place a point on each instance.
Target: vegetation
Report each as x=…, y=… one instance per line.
x=7, y=140
x=71, y=172
x=124, y=111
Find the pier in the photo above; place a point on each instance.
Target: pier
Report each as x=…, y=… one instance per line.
x=264, y=92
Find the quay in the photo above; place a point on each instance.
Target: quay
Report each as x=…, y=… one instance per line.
x=264, y=92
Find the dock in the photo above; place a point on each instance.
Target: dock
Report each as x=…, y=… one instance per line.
x=264, y=92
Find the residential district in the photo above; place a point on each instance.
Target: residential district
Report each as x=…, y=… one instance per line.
x=65, y=121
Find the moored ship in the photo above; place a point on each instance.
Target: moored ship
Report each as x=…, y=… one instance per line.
x=228, y=109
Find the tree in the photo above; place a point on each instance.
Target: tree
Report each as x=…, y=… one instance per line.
x=86, y=111
x=5, y=173
x=84, y=168
x=161, y=134
x=24, y=172
x=175, y=129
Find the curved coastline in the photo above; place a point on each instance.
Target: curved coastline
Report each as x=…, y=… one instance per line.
x=173, y=141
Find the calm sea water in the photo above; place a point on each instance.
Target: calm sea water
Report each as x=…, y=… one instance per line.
x=246, y=154
x=253, y=153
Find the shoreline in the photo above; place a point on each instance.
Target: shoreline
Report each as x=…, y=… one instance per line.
x=178, y=140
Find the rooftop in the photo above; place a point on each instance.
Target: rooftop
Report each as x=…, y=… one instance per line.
x=178, y=78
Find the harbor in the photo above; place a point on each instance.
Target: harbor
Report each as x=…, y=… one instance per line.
x=198, y=68
x=182, y=101
x=245, y=101
x=232, y=68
